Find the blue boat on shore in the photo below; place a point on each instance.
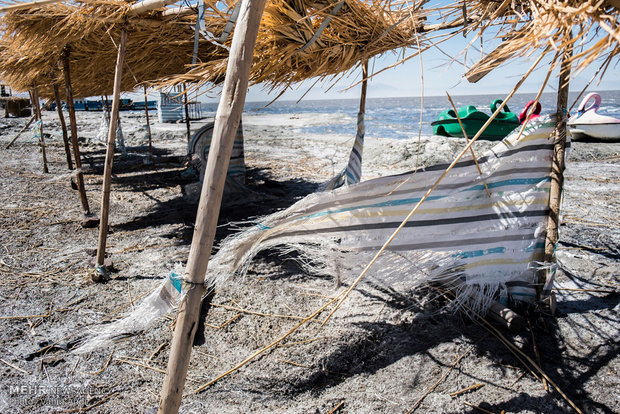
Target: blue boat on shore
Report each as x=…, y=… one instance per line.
x=125, y=104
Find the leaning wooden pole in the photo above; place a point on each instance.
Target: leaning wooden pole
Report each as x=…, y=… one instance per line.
x=558, y=166
x=63, y=124
x=21, y=131
x=148, y=125
x=109, y=155
x=37, y=111
x=74, y=138
x=226, y=122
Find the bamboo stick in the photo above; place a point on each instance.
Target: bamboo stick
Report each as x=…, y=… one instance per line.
x=27, y=5
x=109, y=155
x=456, y=112
x=74, y=138
x=558, y=166
x=37, y=110
x=148, y=125
x=21, y=132
x=63, y=124
x=226, y=122
x=147, y=5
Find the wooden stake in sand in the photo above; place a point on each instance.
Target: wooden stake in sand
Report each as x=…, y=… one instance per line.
x=109, y=155
x=63, y=124
x=74, y=138
x=148, y=125
x=226, y=122
x=37, y=110
x=558, y=165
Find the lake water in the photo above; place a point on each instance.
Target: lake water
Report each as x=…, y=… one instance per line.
x=399, y=118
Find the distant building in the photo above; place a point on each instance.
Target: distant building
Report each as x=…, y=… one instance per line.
x=14, y=106
x=170, y=108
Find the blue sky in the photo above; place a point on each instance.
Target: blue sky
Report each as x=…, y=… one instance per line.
x=440, y=75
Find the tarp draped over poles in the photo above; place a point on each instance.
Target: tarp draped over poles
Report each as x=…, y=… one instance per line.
x=483, y=245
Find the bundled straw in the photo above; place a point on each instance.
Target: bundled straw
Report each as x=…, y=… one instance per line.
x=36, y=39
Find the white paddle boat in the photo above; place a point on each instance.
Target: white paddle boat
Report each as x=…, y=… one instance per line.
x=589, y=124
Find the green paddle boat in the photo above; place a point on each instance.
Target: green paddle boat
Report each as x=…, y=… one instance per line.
x=447, y=123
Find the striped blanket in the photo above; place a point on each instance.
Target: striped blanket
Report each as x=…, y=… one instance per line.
x=486, y=246
x=496, y=239
x=198, y=150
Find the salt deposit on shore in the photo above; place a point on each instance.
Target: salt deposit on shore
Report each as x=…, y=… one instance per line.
x=384, y=350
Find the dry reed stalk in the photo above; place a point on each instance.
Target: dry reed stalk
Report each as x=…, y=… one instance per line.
x=139, y=364
x=90, y=407
x=440, y=380
x=482, y=410
x=249, y=312
x=467, y=141
x=536, y=354
x=587, y=290
x=307, y=319
x=105, y=365
x=15, y=367
x=226, y=323
x=156, y=351
x=336, y=408
x=467, y=389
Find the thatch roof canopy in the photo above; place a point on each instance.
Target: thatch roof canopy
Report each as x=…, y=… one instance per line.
x=36, y=39
x=298, y=39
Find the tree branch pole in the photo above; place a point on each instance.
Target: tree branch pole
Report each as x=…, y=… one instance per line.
x=109, y=155
x=187, y=121
x=21, y=132
x=226, y=122
x=148, y=125
x=37, y=111
x=558, y=166
x=74, y=138
x=63, y=124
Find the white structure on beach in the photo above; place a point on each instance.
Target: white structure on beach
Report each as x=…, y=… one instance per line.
x=170, y=107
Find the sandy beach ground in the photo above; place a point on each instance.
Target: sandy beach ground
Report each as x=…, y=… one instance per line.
x=385, y=351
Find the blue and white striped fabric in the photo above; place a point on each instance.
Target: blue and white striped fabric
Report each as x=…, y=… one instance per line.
x=497, y=239
x=352, y=173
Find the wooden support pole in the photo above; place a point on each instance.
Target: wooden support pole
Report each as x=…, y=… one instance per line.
x=74, y=138
x=63, y=124
x=187, y=121
x=148, y=125
x=109, y=155
x=21, y=132
x=558, y=166
x=37, y=111
x=226, y=122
